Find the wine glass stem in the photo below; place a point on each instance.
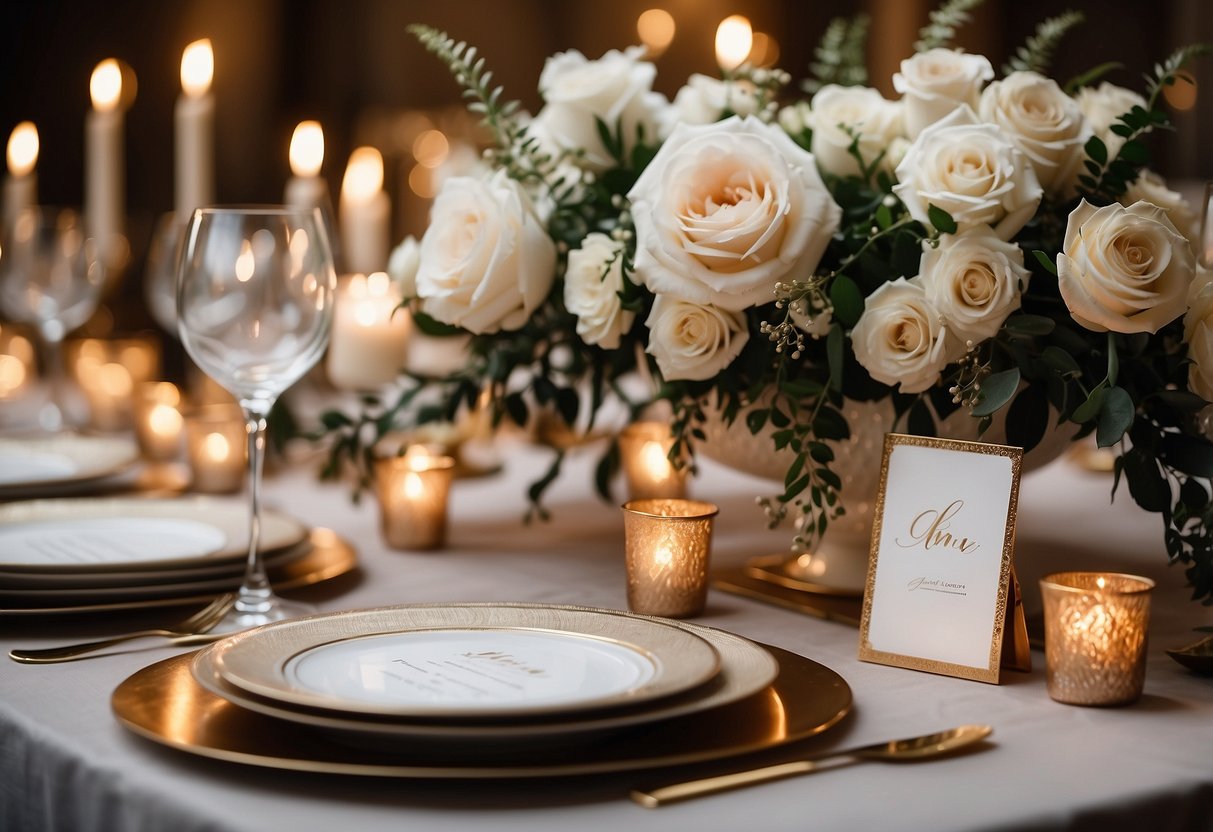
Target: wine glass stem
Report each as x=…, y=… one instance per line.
x=51, y=416
x=255, y=593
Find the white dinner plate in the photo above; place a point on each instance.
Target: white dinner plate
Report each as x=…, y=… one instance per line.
x=745, y=669
x=62, y=459
x=465, y=662
x=73, y=536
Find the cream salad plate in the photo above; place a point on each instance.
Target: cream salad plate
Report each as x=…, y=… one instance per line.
x=44, y=462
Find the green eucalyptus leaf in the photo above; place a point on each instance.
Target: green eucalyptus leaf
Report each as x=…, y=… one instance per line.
x=997, y=390
x=1089, y=409
x=1047, y=261
x=846, y=299
x=1116, y=413
x=1029, y=326
x=835, y=347
x=1060, y=361
x=941, y=219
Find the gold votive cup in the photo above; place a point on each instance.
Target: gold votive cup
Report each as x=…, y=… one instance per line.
x=413, y=492
x=667, y=544
x=644, y=450
x=18, y=367
x=108, y=370
x=1096, y=628
x=216, y=446
x=159, y=425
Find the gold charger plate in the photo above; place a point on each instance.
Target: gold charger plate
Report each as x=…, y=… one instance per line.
x=329, y=557
x=164, y=704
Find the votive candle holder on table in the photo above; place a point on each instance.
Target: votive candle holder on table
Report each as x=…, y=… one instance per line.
x=668, y=543
x=644, y=450
x=108, y=371
x=413, y=493
x=216, y=447
x=159, y=425
x=1096, y=628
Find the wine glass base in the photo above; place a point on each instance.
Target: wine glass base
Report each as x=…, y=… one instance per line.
x=265, y=611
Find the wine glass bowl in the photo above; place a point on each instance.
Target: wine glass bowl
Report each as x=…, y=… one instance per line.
x=254, y=309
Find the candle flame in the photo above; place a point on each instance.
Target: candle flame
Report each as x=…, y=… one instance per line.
x=734, y=40
x=164, y=420
x=656, y=28
x=654, y=458
x=413, y=486
x=364, y=175
x=378, y=284
x=307, y=149
x=114, y=380
x=245, y=263
x=215, y=446
x=105, y=85
x=23, y=149
x=663, y=555
x=197, y=68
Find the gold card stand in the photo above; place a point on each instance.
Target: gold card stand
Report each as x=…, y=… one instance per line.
x=1016, y=651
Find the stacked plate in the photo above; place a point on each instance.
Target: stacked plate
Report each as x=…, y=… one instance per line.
x=88, y=554
x=59, y=464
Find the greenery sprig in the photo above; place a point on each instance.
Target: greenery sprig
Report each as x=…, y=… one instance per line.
x=1037, y=52
x=943, y=22
x=841, y=56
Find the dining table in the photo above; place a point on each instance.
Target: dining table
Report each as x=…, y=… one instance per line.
x=66, y=763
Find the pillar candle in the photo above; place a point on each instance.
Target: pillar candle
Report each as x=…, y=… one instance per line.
x=369, y=335
x=195, y=131
x=21, y=186
x=105, y=169
x=364, y=213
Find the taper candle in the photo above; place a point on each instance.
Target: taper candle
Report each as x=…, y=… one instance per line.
x=365, y=213
x=105, y=167
x=21, y=186
x=195, y=131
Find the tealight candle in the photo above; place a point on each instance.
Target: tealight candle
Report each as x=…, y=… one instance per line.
x=413, y=491
x=105, y=168
x=158, y=422
x=369, y=333
x=644, y=449
x=667, y=544
x=17, y=367
x=1096, y=627
x=365, y=213
x=194, y=131
x=215, y=446
x=21, y=186
x=108, y=372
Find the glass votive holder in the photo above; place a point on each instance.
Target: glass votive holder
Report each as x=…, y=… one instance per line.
x=667, y=544
x=159, y=425
x=413, y=491
x=18, y=368
x=108, y=370
x=644, y=450
x=215, y=445
x=1096, y=627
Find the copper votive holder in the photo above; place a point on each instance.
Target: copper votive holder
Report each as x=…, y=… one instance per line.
x=216, y=442
x=644, y=450
x=1096, y=628
x=159, y=425
x=667, y=544
x=413, y=492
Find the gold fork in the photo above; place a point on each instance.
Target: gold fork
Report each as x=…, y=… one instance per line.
x=200, y=622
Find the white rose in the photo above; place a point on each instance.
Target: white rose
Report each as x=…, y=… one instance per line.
x=1152, y=188
x=972, y=171
x=900, y=338
x=1124, y=269
x=837, y=113
x=592, y=284
x=486, y=261
x=1102, y=106
x=727, y=210
x=693, y=341
x=1198, y=332
x=705, y=99
x=974, y=280
x=617, y=88
x=936, y=82
x=402, y=266
x=794, y=118
x=1042, y=121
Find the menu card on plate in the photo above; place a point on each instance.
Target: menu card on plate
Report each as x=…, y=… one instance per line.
x=940, y=579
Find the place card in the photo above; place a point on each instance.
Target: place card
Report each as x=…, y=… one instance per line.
x=941, y=593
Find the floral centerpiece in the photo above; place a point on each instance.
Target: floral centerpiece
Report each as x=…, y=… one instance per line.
x=992, y=243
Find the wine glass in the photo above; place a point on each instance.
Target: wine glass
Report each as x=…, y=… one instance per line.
x=254, y=306
x=50, y=277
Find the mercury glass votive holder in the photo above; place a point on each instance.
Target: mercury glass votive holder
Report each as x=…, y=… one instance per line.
x=644, y=450
x=413, y=493
x=159, y=425
x=668, y=543
x=216, y=446
x=1096, y=628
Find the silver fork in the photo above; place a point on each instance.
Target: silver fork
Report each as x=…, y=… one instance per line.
x=200, y=622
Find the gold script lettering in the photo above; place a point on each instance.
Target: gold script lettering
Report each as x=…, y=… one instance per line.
x=930, y=530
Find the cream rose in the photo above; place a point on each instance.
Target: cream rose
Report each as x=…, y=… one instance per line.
x=402, y=266
x=837, y=113
x=1152, y=188
x=1102, y=106
x=617, y=88
x=1042, y=121
x=704, y=100
x=727, y=210
x=972, y=171
x=486, y=261
x=1198, y=332
x=974, y=280
x=592, y=283
x=693, y=341
x=936, y=82
x=1124, y=269
x=900, y=339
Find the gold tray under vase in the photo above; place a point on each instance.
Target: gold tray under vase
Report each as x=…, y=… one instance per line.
x=164, y=704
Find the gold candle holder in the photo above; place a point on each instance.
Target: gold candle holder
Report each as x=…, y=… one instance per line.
x=644, y=449
x=667, y=543
x=158, y=422
x=1096, y=627
x=413, y=491
x=17, y=366
x=215, y=443
x=108, y=370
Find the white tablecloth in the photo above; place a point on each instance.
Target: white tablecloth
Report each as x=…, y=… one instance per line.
x=66, y=764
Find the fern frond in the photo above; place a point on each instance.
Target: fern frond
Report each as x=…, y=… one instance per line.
x=943, y=23
x=841, y=57
x=1167, y=73
x=1037, y=52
